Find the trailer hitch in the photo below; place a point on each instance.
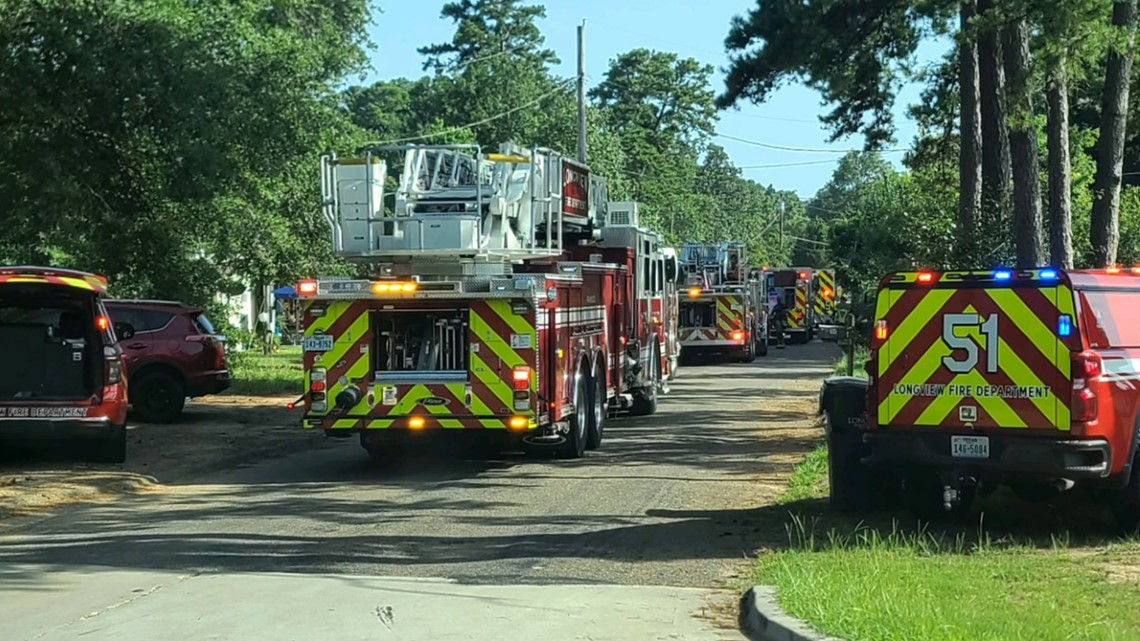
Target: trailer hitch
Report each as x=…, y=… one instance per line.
x=954, y=486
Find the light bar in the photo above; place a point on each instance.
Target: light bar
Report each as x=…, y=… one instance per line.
x=1003, y=274
x=925, y=277
x=1048, y=274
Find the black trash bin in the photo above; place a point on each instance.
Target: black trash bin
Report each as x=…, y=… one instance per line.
x=854, y=487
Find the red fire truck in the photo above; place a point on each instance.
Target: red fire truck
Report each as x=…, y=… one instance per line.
x=499, y=295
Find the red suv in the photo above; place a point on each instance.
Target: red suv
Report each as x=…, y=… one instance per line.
x=174, y=353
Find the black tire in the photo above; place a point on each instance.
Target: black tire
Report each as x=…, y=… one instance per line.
x=109, y=450
x=852, y=486
x=575, y=446
x=383, y=454
x=762, y=348
x=747, y=355
x=645, y=404
x=157, y=396
x=1125, y=503
x=598, y=402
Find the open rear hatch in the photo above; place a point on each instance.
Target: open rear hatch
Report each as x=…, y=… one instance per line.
x=50, y=341
x=974, y=350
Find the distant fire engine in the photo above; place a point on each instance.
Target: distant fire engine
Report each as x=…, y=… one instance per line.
x=722, y=310
x=793, y=287
x=499, y=295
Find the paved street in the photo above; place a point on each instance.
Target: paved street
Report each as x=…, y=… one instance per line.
x=322, y=544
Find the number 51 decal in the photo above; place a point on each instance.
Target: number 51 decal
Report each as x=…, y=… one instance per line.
x=950, y=323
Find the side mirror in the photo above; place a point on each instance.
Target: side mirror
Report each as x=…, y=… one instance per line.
x=125, y=331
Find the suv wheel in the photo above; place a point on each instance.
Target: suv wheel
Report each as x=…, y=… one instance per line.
x=157, y=397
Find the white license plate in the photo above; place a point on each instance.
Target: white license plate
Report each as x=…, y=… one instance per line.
x=970, y=446
x=317, y=343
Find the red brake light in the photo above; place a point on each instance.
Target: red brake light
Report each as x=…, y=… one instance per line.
x=307, y=287
x=317, y=386
x=1086, y=367
x=521, y=377
x=925, y=277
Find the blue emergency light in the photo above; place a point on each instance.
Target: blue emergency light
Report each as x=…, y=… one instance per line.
x=1048, y=274
x=1064, y=325
x=1003, y=274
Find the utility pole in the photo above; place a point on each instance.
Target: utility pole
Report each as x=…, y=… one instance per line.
x=582, y=92
x=782, y=226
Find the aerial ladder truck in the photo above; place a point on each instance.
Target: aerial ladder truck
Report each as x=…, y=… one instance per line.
x=498, y=296
x=722, y=311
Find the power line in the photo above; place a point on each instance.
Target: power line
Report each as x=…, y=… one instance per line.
x=566, y=85
x=781, y=165
x=763, y=117
x=814, y=150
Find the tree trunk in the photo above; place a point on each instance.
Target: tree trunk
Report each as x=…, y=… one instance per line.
x=996, y=169
x=1026, y=229
x=1060, y=177
x=1105, y=231
x=970, y=149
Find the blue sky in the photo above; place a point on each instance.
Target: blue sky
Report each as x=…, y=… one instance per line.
x=691, y=29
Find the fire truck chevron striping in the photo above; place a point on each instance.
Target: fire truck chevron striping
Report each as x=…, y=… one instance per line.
x=932, y=374
x=722, y=311
x=499, y=293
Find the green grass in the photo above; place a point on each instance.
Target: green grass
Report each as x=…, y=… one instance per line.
x=919, y=587
x=861, y=356
x=889, y=585
x=809, y=478
x=275, y=374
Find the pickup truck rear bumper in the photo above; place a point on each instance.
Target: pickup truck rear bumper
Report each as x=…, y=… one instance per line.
x=1018, y=456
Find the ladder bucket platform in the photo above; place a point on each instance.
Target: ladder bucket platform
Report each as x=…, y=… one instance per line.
x=452, y=201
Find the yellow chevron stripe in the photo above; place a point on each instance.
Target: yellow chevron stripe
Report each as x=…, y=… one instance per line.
x=901, y=336
x=344, y=423
x=518, y=324
x=379, y=423
x=491, y=339
x=499, y=388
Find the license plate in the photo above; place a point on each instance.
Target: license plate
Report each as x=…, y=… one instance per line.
x=970, y=446
x=317, y=343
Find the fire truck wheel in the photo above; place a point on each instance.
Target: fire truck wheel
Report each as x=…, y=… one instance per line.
x=645, y=403
x=597, y=409
x=575, y=446
x=762, y=347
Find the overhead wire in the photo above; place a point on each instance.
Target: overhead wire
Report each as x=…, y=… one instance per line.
x=814, y=150
x=563, y=87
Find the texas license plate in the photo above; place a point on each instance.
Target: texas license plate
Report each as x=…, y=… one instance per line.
x=317, y=343
x=970, y=446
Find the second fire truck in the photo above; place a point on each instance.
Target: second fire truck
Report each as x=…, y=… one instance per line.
x=499, y=295
x=721, y=310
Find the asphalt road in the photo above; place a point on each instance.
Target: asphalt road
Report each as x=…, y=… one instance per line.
x=291, y=546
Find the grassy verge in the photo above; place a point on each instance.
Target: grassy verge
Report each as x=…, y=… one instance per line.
x=919, y=586
x=275, y=374
x=861, y=356
x=809, y=479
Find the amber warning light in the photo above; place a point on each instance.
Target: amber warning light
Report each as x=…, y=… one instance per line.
x=694, y=292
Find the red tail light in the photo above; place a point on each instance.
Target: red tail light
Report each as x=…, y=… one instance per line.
x=738, y=335
x=1087, y=367
x=521, y=377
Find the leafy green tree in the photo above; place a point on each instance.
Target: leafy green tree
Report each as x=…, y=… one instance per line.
x=152, y=139
x=499, y=69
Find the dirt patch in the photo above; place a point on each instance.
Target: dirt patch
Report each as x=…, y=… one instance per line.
x=215, y=433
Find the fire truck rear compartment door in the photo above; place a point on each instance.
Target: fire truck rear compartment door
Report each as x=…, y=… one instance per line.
x=981, y=355
x=504, y=340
